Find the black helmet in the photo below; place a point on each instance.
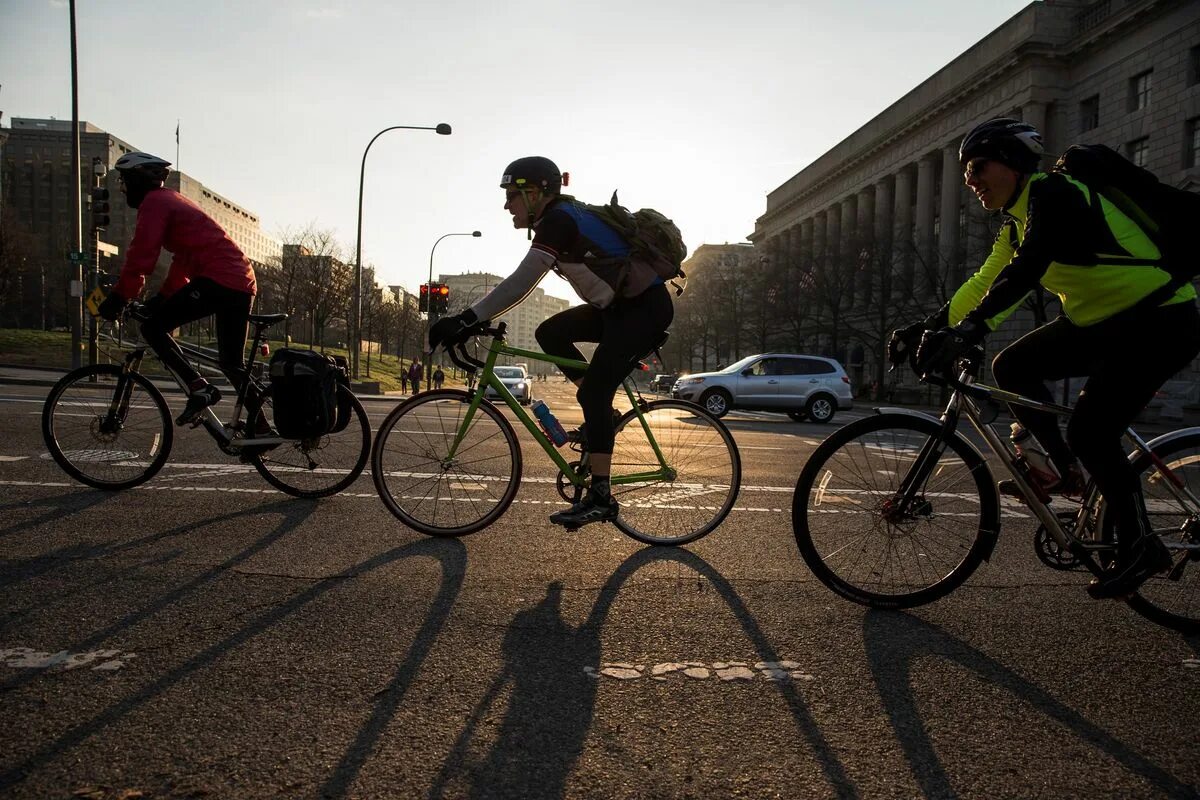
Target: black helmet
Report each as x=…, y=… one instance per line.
x=1013, y=143
x=532, y=172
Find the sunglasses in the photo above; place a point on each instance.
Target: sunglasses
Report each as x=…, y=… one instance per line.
x=974, y=167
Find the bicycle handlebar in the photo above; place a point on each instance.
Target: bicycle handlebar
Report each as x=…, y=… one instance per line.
x=464, y=360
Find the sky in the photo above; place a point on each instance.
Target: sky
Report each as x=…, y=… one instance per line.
x=698, y=108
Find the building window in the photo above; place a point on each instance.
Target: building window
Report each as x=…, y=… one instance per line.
x=1138, y=151
x=1139, y=90
x=1089, y=113
x=1192, y=142
x=1194, y=65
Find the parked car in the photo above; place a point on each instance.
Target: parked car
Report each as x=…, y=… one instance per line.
x=805, y=387
x=517, y=381
x=662, y=382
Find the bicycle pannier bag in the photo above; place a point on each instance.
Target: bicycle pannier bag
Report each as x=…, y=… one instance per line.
x=304, y=392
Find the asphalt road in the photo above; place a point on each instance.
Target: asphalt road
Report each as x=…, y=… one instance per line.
x=207, y=636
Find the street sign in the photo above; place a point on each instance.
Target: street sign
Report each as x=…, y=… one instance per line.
x=77, y=257
x=106, y=248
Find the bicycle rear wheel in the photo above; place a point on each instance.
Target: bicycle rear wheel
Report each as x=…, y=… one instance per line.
x=103, y=440
x=428, y=490
x=706, y=473
x=1172, y=598
x=319, y=466
x=861, y=546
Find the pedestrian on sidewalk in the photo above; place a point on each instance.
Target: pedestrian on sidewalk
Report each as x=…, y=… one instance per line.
x=404, y=379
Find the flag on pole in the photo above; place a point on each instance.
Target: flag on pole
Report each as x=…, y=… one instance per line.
x=176, y=131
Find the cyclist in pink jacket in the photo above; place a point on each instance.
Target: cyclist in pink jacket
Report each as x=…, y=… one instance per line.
x=208, y=275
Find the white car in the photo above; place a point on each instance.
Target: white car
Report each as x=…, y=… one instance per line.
x=517, y=381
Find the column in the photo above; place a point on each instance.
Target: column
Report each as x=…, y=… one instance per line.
x=952, y=189
x=924, y=224
x=867, y=256
x=847, y=277
x=902, y=234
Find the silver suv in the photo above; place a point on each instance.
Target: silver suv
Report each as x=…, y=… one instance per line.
x=806, y=387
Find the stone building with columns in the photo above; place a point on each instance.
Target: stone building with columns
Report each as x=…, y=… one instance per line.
x=882, y=227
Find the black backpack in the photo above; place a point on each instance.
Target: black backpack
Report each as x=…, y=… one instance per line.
x=305, y=389
x=1168, y=216
x=654, y=241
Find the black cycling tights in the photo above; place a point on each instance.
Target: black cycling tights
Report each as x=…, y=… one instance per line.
x=1125, y=360
x=624, y=331
x=196, y=300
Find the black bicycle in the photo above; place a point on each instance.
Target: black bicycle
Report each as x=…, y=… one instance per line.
x=109, y=427
x=898, y=509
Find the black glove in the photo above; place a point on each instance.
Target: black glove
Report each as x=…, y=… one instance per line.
x=904, y=342
x=112, y=306
x=939, y=349
x=448, y=331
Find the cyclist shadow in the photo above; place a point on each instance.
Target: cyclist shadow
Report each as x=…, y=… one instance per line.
x=895, y=641
x=551, y=699
x=293, y=515
x=451, y=554
x=57, y=509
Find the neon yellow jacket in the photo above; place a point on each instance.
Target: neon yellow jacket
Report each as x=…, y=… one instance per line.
x=1062, y=241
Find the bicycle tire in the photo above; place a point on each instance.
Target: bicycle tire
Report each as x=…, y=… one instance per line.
x=707, y=466
x=432, y=493
x=1171, y=603
x=319, y=466
x=845, y=485
x=121, y=459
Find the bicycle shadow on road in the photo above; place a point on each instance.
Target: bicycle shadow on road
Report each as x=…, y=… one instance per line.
x=59, y=508
x=551, y=698
x=293, y=513
x=450, y=553
x=895, y=641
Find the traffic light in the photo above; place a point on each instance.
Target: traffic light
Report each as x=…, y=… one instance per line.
x=441, y=298
x=100, y=208
x=423, y=303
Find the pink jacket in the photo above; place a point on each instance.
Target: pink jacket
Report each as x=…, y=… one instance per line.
x=202, y=249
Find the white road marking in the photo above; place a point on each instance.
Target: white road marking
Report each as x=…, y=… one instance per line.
x=28, y=658
x=13, y=458
x=726, y=671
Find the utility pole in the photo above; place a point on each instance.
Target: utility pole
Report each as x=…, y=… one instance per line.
x=75, y=293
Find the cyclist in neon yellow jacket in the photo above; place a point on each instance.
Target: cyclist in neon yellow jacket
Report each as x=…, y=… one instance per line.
x=1057, y=233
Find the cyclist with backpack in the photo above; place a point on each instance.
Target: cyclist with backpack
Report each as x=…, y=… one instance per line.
x=1127, y=324
x=627, y=308
x=208, y=275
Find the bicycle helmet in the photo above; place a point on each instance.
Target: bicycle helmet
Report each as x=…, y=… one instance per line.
x=144, y=163
x=532, y=172
x=141, y=173
x=1013, y=143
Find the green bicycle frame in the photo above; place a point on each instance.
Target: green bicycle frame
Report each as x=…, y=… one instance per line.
x=488, y=378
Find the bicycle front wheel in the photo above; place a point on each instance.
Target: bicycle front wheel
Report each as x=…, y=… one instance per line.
x=104, y=431
x=319, y=466
x=1172, y=598
x=862, y=545
x=687, y=493
x=426, y=487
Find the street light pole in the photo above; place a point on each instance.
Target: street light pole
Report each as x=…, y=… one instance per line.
x=429, y=294
x=441, y=128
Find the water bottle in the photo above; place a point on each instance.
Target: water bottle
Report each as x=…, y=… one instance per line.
x=550, y=425
x=1037, y=462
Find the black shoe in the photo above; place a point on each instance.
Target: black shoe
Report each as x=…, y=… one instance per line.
x=207, y=395
x=1149, y=556
x=586, y=511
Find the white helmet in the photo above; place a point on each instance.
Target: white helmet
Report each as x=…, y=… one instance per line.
x=145, y=164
